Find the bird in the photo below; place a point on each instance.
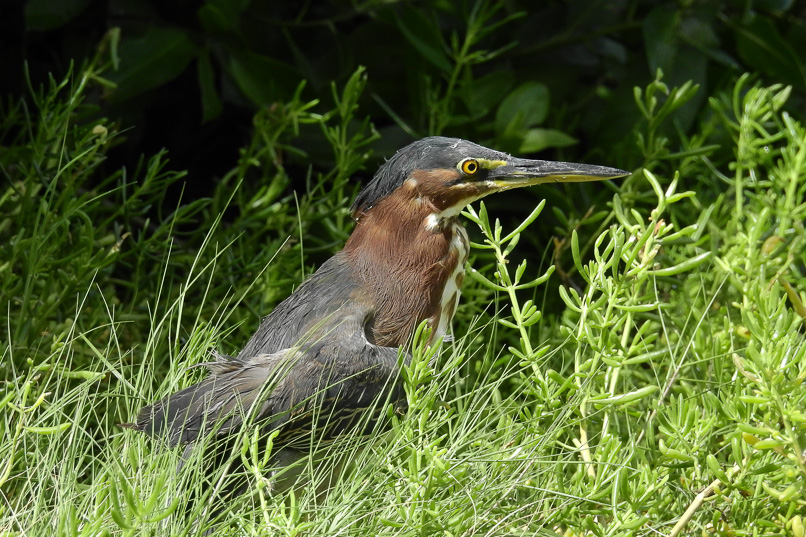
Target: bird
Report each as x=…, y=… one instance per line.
x=337, y=343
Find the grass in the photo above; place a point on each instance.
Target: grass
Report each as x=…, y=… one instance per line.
x=664, y=394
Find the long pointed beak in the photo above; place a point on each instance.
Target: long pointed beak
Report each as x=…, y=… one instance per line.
x=519, y=172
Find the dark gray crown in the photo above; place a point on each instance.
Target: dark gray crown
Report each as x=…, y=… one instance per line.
x=434, y=152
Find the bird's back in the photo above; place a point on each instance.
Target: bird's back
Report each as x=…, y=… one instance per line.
x=311, y=309
x=311, y=352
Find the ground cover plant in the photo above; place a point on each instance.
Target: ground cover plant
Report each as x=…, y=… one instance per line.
x=643, y=372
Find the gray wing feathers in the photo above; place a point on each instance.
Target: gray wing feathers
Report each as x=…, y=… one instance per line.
x=330, y=380
x=222, y=400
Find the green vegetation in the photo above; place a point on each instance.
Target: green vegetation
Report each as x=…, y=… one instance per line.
x=643, y=372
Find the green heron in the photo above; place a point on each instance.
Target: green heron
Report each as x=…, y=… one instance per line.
x=332, y=347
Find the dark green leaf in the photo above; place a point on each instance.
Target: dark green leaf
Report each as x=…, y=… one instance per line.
x=46, y=14
x=262, y=79
x=536, y=140
x=773, y=5
x=485, y=92
x=678, y=46
x=796, y=37
x=423, y=34
x=157, y=57
x=660, y=40
x=762, y=48
x=221, y=15
x=213, y=21
x=698, y=32
x=525, y=107
x=211, y=103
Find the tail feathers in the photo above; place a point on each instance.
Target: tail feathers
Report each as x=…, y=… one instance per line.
x=221, y=401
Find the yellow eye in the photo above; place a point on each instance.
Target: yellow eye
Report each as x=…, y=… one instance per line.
x=469, y=166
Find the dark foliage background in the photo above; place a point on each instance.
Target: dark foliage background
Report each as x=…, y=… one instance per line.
x=192, y=74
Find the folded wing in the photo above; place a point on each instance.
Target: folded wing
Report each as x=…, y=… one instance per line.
x=322, y=386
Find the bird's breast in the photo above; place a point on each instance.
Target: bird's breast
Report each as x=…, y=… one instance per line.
x=410, y=259
x=421, y=284
x=442, y=315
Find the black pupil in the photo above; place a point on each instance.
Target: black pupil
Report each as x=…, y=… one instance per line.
x=471, y=167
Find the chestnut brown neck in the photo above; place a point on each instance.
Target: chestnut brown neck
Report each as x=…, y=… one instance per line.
x=403, y=257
